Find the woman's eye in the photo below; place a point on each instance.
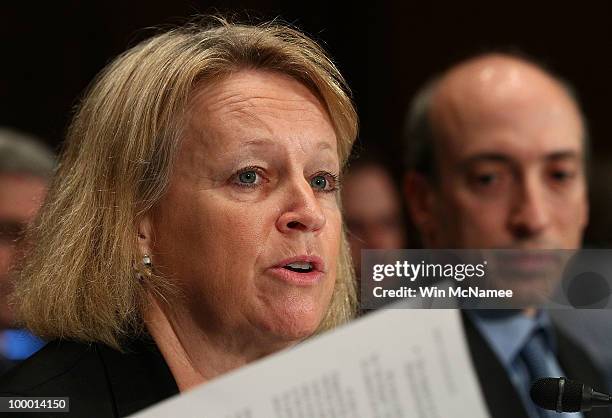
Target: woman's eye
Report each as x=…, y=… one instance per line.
x=318, y=182
x=247, y=177
x=324, y=182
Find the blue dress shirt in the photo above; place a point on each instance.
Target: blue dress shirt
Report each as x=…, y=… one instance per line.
x=507, y=332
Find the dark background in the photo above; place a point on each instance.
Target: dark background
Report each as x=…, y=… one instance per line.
x=50, y=52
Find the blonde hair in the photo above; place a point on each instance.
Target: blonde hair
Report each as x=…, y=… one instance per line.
x=80, y=281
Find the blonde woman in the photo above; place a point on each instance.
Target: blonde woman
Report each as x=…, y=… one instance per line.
x=194, y=223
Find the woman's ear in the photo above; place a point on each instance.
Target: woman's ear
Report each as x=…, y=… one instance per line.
x=145, y=235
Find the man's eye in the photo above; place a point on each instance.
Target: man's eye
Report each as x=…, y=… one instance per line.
x=561, y=175
x=486, y=178
x=488, y=182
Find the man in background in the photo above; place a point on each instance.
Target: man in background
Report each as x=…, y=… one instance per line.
x=497, y=155
x=25, y=168
x=372, y=209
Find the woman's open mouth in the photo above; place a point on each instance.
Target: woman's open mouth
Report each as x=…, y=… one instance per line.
x=300, y=270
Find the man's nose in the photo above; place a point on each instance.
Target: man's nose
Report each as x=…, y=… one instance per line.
x=530, y=213
x=301, y=209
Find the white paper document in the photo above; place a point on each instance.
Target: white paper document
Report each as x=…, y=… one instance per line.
x=390, y=364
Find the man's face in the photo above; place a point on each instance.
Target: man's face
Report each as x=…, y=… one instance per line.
x=372, y=211
x=20, y=199
x=511, y=165
x=510, y=171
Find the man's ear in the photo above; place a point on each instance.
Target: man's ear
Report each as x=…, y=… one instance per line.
x=145, y=234
x=587, y=212
x=420, y=198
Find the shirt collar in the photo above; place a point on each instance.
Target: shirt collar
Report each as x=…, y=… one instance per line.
x=507, y=332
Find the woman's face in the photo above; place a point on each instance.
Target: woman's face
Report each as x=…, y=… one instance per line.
x=250, y=226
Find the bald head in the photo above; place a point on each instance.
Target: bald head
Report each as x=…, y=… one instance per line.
x=501, y=90
x=495, y=77
x=484, y=89
x=505, y=141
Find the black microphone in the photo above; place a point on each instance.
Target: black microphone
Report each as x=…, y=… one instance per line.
x=564, y=395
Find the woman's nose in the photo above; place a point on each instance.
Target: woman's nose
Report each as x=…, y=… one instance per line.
x=301, y=209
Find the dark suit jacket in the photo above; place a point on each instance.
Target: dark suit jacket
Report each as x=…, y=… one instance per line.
x=100, y=381
x=5, y=365
x=502, y=399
